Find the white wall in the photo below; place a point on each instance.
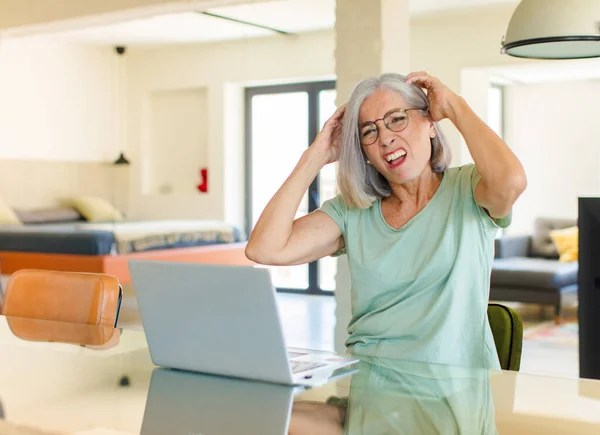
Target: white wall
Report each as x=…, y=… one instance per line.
x=223, y=69
x=56, y=101
x=552, y=129
x=35, y=184
x=447, y=44
x=179, y=141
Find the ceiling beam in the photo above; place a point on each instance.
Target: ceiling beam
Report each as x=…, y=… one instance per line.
x=235, y=20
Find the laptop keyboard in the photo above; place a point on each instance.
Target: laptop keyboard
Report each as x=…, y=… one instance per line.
x=302, y=366
x=292, y=355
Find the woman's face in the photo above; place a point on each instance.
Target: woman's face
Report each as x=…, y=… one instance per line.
x=400, y=156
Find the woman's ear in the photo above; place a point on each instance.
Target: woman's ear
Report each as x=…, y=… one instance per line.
x=432, y=131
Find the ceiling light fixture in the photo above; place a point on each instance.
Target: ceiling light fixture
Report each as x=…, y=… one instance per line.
x=554, y=29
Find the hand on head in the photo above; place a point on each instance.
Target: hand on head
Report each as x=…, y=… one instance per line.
x=438, y=94
x=328, y=140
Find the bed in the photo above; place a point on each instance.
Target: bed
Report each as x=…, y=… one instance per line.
x=81, y=246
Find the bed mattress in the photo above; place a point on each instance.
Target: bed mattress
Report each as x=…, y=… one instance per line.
x=83, y=238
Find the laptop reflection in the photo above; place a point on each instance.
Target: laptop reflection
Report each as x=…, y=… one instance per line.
x=188, y=403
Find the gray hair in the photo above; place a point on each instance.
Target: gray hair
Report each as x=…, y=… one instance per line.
x=360, y=184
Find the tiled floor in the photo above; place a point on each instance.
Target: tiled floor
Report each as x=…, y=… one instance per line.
x=308, y=322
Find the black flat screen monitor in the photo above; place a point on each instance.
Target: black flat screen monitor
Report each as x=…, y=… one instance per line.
x=589, y=287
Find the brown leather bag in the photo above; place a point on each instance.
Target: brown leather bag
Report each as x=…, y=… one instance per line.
x=85, y=298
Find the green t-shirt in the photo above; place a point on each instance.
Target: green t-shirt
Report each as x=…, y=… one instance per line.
x=421, y=292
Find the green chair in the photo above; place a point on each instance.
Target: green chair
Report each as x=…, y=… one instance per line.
x=507, y=329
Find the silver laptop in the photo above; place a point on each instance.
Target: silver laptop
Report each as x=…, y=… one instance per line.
x=183, y=403
x=222, y=320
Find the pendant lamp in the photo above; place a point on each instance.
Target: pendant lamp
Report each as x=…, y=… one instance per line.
x=554, y=29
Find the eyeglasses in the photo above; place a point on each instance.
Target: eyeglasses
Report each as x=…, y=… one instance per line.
x=395, y=120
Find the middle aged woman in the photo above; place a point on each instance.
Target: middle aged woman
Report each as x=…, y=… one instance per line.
x=419, y=235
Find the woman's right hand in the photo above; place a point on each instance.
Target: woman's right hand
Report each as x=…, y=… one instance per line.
x=278, y=238
x=327, y=142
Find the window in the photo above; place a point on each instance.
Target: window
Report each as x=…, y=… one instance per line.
x=495, y=109
x=495, y=119
x=281, y=122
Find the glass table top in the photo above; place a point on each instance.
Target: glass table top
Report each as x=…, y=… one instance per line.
x=59, y=378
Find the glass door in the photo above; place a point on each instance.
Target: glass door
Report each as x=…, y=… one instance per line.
x=281, y=122
x=279, y=137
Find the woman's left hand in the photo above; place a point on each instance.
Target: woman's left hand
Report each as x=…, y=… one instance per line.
x=439, y=95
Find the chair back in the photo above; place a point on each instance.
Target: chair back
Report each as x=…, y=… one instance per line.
x=85, y=298
x=507, y=329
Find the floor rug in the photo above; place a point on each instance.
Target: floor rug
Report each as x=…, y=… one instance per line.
x=566, y=333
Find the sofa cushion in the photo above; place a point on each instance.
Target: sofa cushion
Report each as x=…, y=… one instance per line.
x=533, y=273
x=541, y=243
x=567, y=243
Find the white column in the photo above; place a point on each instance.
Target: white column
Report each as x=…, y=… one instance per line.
x=372, y=37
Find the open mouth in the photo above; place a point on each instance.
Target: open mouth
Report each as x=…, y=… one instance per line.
x=396, y=158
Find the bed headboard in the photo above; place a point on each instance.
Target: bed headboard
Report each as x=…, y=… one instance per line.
x=26, y=184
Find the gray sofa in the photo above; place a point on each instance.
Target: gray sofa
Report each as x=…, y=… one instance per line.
x=526, y=268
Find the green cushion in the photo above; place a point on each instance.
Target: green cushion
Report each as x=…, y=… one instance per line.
x=507, y=329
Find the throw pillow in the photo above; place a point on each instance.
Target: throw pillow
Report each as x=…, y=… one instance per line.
x=7, y=215
x=95, y=209
x=49, y=215
x=567, y=243
x=541, y=242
